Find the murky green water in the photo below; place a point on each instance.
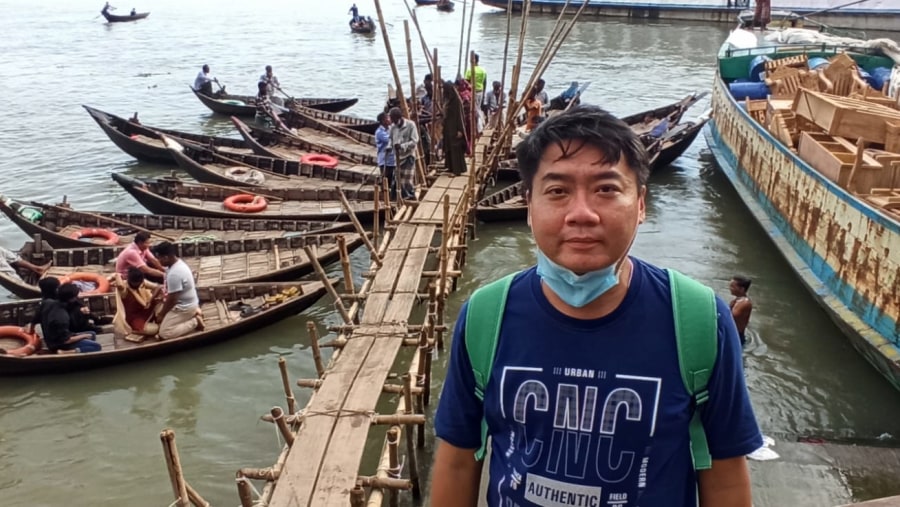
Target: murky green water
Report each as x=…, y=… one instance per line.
x=92, y=439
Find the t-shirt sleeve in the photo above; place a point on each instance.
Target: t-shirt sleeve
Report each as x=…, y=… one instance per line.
x=728, y=419
x=459, y=412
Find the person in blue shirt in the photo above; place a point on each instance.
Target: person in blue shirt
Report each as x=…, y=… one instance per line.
x=585, y=404
x=385, y=152
x=355, y=11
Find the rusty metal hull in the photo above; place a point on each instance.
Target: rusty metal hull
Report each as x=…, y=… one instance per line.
x=846, y=252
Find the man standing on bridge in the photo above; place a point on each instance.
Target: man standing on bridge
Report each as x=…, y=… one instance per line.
x=581, y=391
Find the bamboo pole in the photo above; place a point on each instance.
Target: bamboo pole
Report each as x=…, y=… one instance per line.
x=278, y=416
x=245, y=493
x=317, y=352
x=386, y=188
x=412, y=15
x=173, y=464
x=411, y=459
x=393, y=439
x=358, y=494
x=420, y=160
x=500, y=103
x=390, y=53
x=462, y=32
x=261, y=474
x=359, y=228
x=377, y=206
x=444, y=255
x=324, y=277
x=345, y=265
x=285, y=383
x=385, y=483
x=514, y=86
x=468, y=44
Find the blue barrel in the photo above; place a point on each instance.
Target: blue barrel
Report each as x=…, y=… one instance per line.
x=815, y=63
x=752, y=91
x=880, y=76
x=758, y=67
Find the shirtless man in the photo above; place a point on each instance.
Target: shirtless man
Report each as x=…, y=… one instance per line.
x=741, y=306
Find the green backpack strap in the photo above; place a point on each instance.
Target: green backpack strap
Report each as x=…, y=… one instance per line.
x=696, y=323
x=484, y=315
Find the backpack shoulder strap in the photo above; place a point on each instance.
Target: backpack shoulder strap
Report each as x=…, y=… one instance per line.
x=484, y=316
x=696, y=324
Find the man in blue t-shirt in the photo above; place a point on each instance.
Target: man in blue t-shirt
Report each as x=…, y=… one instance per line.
x=585, y=403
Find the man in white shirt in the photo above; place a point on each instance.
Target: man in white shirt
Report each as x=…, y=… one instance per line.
x=404, y=140
x=203, y=82
x=180, y=313
x=272, y=85
x=10, y=261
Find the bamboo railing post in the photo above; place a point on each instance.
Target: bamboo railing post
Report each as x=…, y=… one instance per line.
x=388, y=211
x=328, y=287
x=375, y=223
x=345, y=265
x=393, y=441
x=245, y=493
x=317, y=352
x=444, y=256
x=411, y=459
x=278, y=416
x=288, y=392
x=173, y=464
x=359, y=228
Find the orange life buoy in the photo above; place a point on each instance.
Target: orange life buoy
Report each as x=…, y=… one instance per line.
x=246, y=203
x=321, y=159
x=109, y=236
x=101, y=281
x=32, y=342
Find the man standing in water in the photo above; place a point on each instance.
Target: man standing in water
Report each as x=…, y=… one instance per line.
x=583, y=402
x=741, y=306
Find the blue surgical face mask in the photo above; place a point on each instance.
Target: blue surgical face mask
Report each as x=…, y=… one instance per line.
x=576, y=290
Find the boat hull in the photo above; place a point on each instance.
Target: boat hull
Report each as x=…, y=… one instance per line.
x=845, y=252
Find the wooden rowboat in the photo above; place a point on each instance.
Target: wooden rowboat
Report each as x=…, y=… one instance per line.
x=363, y=26
x=245, y=105
x=446, y=7
x=292, y=146
x=298, y=118
x=246, y=261
x=112, y=18
x=145, y=143
x=254, y=171
x=59, y=225
x=507, y=204
x=171, y=196
x=222, y=314
x=676, y=141
x=338, y=119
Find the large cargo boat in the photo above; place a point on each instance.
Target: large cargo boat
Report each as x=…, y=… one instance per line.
x=813, y=150
x=863, y=15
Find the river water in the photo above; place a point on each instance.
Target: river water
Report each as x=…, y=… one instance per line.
x=92, y=438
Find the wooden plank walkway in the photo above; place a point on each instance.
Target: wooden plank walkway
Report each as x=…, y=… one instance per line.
x=322, y=466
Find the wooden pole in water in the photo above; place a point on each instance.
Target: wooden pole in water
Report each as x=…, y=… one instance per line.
x=390, y=53
x=245, y=493
x=376, y=205
x=324, y=277
x=286, y=384
x=278, y=416
x=411, y=459
x=388, y=211
x=359, y=228
x=393, y=442
x=345, y=265
x=414, y=117
x=173, y=463
x=317, y=352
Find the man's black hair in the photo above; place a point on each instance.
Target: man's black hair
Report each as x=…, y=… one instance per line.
x=380, y=118
x=135, y=276
x=743, y=282
x=164, y=249
x=67, y=292
x=142, y=237
x=583, y=126
x=49, y=287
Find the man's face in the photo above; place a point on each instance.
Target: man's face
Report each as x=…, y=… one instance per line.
x=395, y=118
x=143, y=245
x=735, y=289
x=583, y=214
x=166, y=260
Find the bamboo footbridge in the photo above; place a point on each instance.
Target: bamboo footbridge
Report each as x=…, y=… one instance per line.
x=419, y=258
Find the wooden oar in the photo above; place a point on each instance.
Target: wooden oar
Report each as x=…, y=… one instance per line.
x=109, y=219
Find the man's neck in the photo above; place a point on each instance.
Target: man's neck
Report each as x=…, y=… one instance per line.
x=600, y=307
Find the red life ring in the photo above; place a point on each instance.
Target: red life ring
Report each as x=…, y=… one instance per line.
x=32, y=341
x=326, y=161
x=96, y=278
x=109, y=236
x=246, y=203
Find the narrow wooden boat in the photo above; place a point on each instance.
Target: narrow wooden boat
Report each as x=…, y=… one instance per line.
x=246, y=261
x=172, y=196
x=266, y=173
x=113, y=18
x=363, y=26
x=144, y=143
x=245, y=105
x=676, y=142
x=427, y=2
x=446, y=6
x=298, y=118
x=292, y=146
x=229, y=311
x=367, y=126
x=795, y=162
x=63, y=227
x=507, y=204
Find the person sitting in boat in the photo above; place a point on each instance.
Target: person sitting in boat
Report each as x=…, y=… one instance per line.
x=203, y=82
x=80, y=317
x=267, y=112
x=10, y=262
x=49, y=286
x=541, y=94
x=355, y=11
x=136, y=302
x=107, y=8
x=533, y=109
x=138, y=255
x=272, y=85
x=56, y=325
x=180, y=313
x=133, y=11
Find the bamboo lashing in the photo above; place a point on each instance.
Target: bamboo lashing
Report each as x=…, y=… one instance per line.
x=113, y=220
x=330, y=288
x=285, y=383
x=286, y=433
x=314, y=343
x=359, y=228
